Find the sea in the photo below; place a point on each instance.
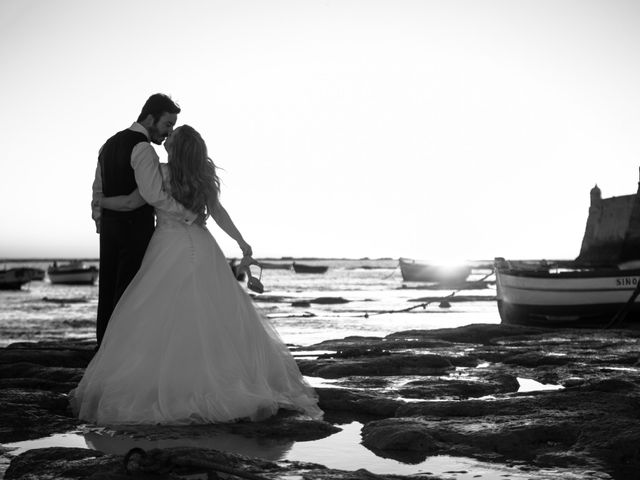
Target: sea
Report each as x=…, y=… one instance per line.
x=354, y=297
x=365, y=297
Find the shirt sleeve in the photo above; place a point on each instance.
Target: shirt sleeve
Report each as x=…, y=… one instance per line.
x=146, y=166
x=96, y=211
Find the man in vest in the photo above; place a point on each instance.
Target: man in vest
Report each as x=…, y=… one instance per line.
x=128, y=161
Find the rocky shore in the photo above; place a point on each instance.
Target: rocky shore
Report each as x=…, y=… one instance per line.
x=455, y=392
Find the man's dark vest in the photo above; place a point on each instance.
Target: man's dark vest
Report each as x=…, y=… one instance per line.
x=118, y=177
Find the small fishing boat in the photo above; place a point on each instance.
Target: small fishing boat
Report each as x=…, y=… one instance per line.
x=304, y=268
x=35, y=273
x=275, y=266
x=73, y=273
x=14, y=278
x=421, y=271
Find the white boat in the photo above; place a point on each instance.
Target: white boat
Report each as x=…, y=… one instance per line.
x=73, y=273
x=548, y=294
x=421, y=271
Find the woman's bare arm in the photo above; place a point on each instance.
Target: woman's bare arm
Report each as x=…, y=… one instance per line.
x=222, y=218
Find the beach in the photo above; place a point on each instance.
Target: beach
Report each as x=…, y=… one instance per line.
x=443, y=390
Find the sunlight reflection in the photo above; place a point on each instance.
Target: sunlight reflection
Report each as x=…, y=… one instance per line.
x=529, y=385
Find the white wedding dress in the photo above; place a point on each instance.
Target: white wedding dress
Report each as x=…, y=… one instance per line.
x=186, y=345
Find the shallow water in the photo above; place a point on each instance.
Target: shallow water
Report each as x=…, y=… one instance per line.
x=42, y=310
x=375, y=293
x=341, y=450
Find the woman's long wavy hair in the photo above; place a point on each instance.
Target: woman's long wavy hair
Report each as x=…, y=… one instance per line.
x=194, y=181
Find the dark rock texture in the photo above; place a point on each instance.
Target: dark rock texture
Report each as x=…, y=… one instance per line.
x=418, y=393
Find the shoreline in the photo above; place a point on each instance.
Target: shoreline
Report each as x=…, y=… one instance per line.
x=414, y=395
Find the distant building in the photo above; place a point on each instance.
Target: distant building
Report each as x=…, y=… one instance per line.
x=612, y=233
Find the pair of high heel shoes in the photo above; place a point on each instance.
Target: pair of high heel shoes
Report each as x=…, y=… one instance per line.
x=254, y=284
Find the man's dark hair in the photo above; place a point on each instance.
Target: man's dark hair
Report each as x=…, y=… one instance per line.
x=156, y=105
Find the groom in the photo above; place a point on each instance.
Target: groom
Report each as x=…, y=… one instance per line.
x=128, y=161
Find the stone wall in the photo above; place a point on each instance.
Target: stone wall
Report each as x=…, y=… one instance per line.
x=612, y=232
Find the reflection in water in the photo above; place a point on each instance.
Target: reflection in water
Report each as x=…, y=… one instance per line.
x=342, y=450
x=252, y=447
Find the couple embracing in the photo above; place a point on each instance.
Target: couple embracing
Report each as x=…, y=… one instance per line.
x=180, y=341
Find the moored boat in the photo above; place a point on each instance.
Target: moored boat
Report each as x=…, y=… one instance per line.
x=73, y=273
x=304, y=268
x=14, y=278
x=275, y=266
x=422, y=271
x=35, y=273
x=547, y=294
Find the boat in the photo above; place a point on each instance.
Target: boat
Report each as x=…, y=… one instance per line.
x=422, y=271
x=304, y=268
x=547, y=294
x=588, y=291
x=275, y=266
x=35, y=273
x=73, y=273
x=14, y=278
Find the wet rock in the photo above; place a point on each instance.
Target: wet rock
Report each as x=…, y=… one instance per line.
x=64, y=463
x=329, y=300
x=29, y=414
x=61, y=357
x=397, y=364
x=305, y=303
x=509, y=437
x=482, y=333
x=591, y=427
x=356, y=352
x=357, y=402
x=301, y=303
x=537, y=359
x=386, y=343
x=47, y=374
x=399, y=434
x=612, y=385
x=460, y=387
x=284, y=426
x=68, y=463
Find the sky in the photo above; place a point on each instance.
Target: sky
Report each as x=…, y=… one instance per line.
x=432, y=129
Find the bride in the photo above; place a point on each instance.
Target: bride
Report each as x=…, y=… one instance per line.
x=185, y=343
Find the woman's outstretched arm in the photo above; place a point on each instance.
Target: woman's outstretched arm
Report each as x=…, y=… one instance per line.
x=222, y=218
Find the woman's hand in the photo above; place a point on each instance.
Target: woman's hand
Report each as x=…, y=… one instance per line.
x=245, y=263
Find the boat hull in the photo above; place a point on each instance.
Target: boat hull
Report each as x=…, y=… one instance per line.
x=74, y=277
x=298, y=268
x=14, y=278
x=571, y=298
x=416, y=271
x=11, y=285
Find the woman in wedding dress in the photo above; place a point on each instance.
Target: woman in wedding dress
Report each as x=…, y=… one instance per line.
x=185, y=343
